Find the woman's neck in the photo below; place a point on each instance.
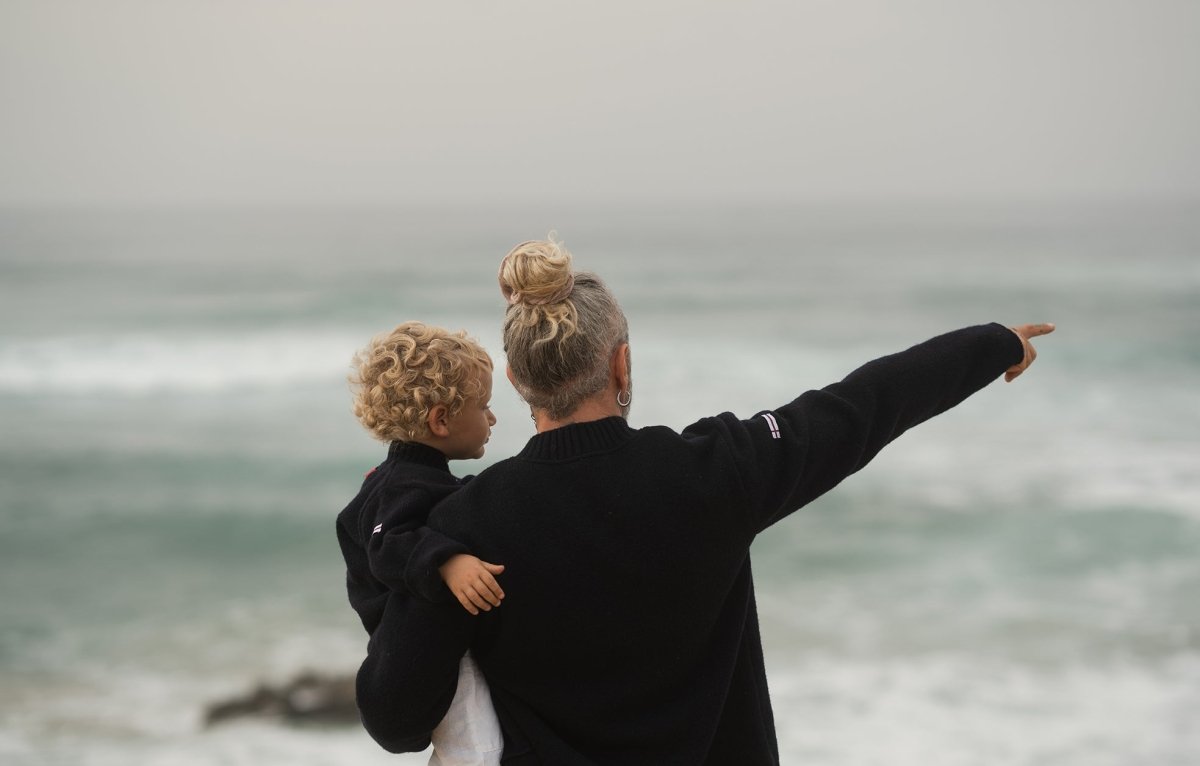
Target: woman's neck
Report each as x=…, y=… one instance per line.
x=599, y=407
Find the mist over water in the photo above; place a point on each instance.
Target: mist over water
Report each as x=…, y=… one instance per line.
x=1013, y=583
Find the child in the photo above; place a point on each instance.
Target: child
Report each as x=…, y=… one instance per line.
x=426, y=392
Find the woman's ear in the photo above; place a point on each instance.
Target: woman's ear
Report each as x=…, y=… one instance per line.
x=438, y=420
x=621, y=367
x=508, y=374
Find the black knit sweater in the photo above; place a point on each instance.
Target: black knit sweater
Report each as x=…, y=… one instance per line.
x=392, y=559
x=382, y=532
x=629, y=633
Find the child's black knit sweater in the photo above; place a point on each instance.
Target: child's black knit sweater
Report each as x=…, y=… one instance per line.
x=392, y=561
x=382, y=532
x=629, y=633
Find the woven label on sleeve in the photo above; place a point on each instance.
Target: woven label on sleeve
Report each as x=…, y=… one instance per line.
x=772, y=424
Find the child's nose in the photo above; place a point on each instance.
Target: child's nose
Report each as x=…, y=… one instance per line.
x=491, y=417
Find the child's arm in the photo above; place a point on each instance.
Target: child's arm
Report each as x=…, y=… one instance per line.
x=407, y=560
x=473, y=582
x=402, y=552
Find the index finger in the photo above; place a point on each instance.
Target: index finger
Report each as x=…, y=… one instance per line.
x=1034, y=330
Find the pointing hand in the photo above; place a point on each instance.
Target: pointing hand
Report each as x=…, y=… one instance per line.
x=1025, y=332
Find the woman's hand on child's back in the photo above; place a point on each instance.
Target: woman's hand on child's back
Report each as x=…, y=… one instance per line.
x=473, y=582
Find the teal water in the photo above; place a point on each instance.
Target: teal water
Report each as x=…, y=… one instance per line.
x=1013, y=583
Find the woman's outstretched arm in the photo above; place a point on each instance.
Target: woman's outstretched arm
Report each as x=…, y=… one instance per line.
x=789, y=456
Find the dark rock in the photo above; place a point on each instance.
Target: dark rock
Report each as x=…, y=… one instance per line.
x=309, y=698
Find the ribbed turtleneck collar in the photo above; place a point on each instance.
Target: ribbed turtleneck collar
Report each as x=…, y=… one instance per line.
x=578, y=439
x=415, y=452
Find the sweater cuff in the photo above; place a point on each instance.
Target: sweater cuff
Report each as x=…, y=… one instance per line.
x=422, y=575
x=1009, y=337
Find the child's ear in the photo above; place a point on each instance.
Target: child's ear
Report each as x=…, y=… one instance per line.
x=438, y=420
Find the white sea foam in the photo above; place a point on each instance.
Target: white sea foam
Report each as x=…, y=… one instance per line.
x=832, y=709
x=946, y=710
x=149, y=362
x=197, y=361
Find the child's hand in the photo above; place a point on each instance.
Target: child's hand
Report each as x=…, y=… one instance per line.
x=473, y=582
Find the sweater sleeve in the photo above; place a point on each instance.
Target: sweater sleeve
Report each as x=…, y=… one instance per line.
x=789, y=456
x=361, y=587
x=403, y=554
x=406, y=684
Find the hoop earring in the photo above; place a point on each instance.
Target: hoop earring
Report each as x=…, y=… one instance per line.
x=628, y=398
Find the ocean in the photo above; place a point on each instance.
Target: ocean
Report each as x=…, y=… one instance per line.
x=1013, y=583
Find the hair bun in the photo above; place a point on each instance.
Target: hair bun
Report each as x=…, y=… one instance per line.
x=537, y=273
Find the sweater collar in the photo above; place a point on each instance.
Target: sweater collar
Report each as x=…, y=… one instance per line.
x=578, y=439
x=415, y=452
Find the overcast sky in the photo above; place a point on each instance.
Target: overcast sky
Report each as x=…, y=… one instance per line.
x=352, y=101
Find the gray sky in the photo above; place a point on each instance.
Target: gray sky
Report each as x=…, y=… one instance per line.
x=320, y=101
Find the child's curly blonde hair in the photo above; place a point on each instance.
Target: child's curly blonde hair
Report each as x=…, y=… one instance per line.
x=404, y=374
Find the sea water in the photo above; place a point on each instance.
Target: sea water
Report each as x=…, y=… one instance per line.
x=1015, y=582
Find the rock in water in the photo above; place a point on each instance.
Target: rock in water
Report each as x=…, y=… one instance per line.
x=309, y=698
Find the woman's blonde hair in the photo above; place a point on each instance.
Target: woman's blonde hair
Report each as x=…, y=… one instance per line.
x=403, y=374
x=560, y=329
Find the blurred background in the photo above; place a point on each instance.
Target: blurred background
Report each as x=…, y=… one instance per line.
x=206, y=208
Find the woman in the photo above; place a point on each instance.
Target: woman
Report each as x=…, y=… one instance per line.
x=629, y=634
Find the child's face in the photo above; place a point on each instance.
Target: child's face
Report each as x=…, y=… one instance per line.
x=471, y=427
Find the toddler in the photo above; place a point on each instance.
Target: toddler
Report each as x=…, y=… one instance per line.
x=425, y=391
